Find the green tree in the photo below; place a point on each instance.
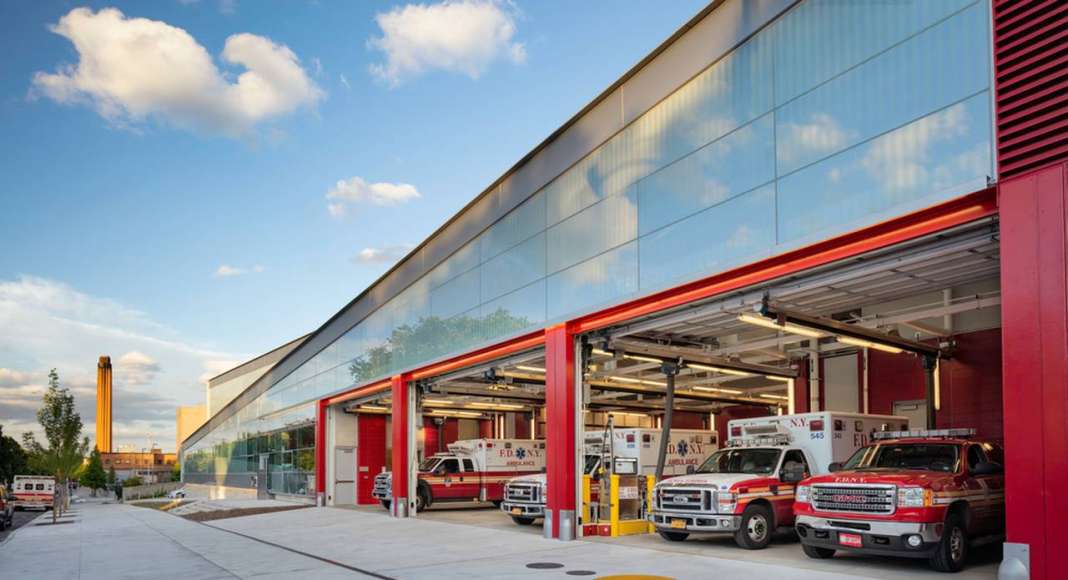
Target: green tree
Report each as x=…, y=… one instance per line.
x=13, y=460
x=176, y=472
x=94, y=477
x=111, y=477
x=62, y=426
x=132, y=481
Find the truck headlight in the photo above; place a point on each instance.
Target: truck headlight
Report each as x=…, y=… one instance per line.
x=801, y=494
x=726, y=501
x=913, y=497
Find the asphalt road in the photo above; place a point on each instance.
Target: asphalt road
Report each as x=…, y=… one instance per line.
x=21, y=517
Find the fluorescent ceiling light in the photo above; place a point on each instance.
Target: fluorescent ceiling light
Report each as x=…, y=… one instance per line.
x=496, y=405
x=717, y=390
x=642, y=358
x=451, y=413
x=436, y=402
x=372, y=408
x=869, y=344
x=776, y=397
x=715, y=369
x=768, y=323
x=530, y=369
x=778, y=378
x=601, y=352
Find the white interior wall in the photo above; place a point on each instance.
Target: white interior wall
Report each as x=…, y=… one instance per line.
x=841, y=378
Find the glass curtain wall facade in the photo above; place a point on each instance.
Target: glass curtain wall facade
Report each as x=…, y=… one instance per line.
x=835, y=116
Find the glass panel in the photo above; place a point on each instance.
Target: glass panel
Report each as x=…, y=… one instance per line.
x=605, y=225
x=511, y=313
x=725, y=235
x=819, y=39
x=519, y=224
x=460, y=261
x=738, y=162
x=514, y=268
x=607, y=277
x=936, y=158
x=459, y=294
x=929, y=71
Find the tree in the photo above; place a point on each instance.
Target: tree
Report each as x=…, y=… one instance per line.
x=13, y=460
x=94, y=477
x=62, y=425
x=132, y=481
x=176, y=472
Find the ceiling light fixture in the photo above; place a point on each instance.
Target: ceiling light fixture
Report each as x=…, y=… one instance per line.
x=715, y=369
x=869, y=344
x=768, y=323
x=717, y=390
x=530, y=369
x=776, y=397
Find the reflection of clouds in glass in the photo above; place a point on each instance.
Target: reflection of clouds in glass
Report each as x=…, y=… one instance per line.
x=900, y=160
x=821, y=135
x=742, y=237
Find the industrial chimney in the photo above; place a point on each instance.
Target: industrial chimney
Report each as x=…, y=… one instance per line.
x=103, y=405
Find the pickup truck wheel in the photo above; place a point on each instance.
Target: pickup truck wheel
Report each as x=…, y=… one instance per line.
x=497, y=504
x=953, y=549
x=522, y=521
x=817, y=552
x=421, y=502
x=757, y=525
x=385, y=503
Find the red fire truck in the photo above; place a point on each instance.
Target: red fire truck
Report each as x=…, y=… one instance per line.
x=472, y=470
x=917, y=494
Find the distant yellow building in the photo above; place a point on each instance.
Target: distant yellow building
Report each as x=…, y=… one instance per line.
x=187, y=420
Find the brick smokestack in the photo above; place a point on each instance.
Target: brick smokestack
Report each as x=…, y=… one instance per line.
x=103, y=405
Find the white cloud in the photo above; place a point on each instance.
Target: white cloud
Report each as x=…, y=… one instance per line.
x=463, y=36
x=344, y=81
x=900, y=160
x=228, y=271
x=131, y=70
x=821, y=135
x=136, y=368
x=49, y=324
x=356, y=190
x=318, y=66
x=383, y=255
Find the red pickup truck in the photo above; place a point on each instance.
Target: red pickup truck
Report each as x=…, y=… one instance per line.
x=915, y=494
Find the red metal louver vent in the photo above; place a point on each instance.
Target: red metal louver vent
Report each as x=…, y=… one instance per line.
x=1031, y=77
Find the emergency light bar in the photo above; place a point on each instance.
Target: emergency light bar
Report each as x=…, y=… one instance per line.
x=962, y=433
x=760, y=440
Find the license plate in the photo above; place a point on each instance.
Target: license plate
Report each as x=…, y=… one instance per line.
x=517, y=511
x=851, y=540
x=679, y=524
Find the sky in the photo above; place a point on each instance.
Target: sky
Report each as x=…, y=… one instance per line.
x=186, y=184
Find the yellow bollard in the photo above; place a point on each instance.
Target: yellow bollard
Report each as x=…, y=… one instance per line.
x=587, y=514
x=613, y=505
x=650, y=482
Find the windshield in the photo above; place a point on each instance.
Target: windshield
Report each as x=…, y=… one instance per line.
x=429, y=464
x=592, y=461
x=758, y=461
x=924, y=456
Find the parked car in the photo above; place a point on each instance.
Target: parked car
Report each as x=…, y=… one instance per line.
x=177, y=493
x=914, y=494
x=7, y=508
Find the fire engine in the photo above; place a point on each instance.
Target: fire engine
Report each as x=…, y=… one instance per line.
x=747, y=489
x=34, y=492
x=918, y=494
x=635, y=448
x=471, y=470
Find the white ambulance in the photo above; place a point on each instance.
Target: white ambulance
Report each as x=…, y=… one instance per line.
x=33, y=492
x=472, y=470
x=633, y=451
x=747, y=488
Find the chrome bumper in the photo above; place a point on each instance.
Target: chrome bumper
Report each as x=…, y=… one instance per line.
x=699, y=522
x=526, y=510
x=929, y=532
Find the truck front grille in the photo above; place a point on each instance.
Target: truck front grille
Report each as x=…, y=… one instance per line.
x=522, y=492
x=686, y=499
x=383, y=486
x=858, y=499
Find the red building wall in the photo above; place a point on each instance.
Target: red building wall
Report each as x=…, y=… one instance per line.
x=970, y=383
x=736, y=412
x=370, y=454
x=687, y=420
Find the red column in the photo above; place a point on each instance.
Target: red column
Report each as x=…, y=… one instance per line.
x=320, y=449
x=1034, y=309
x=560, y=427
x=401, y=433
x=801, y=393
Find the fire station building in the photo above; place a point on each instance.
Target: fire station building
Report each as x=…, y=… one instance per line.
x=813, y=204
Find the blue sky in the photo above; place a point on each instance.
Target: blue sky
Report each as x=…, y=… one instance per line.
x=129, y=187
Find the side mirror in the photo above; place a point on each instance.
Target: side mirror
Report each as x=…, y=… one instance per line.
x=836, y=466
x=690, y=470
x=792, y=473
x=988, y=469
